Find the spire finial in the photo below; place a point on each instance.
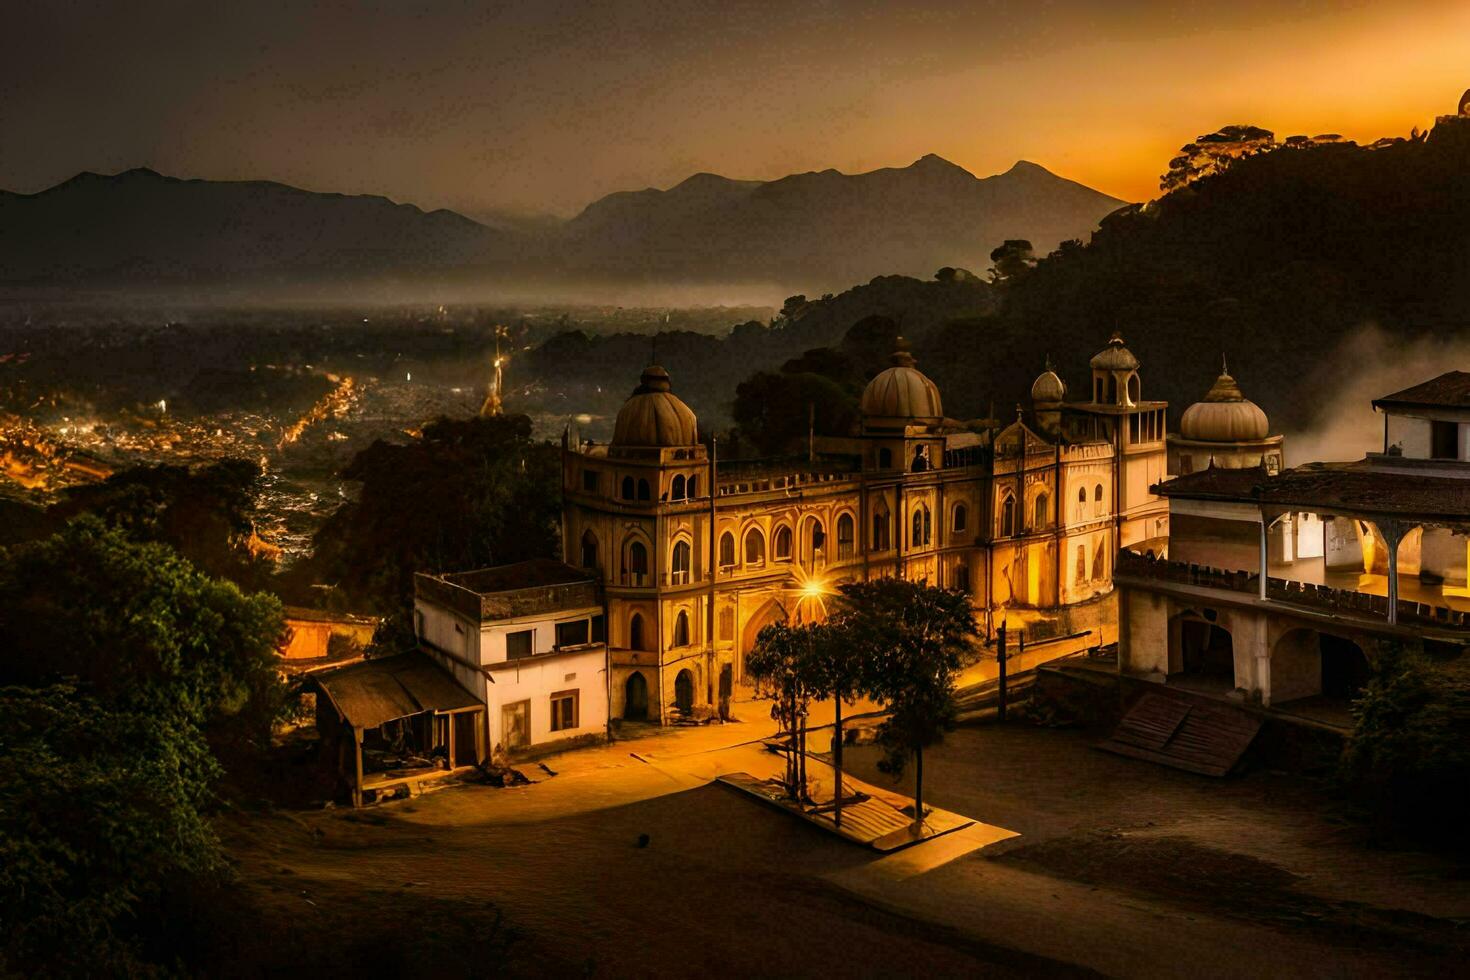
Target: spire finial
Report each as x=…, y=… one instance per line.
x=1224, y=368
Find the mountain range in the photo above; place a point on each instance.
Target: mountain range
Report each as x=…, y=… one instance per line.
x=814, y=230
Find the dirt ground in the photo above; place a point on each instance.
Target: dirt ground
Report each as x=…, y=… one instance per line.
x=1122, y=868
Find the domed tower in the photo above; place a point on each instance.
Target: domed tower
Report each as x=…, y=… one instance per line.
x=1225, y=430
x=902, y=415
x=1048, y=392
x=653, y=416
x=1115, y=375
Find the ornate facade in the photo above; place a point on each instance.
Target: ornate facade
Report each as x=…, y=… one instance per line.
x=696, y=555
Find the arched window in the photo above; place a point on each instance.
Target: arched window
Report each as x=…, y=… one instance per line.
x=881, y=535
x=635, y=632
x=589, y=549
x=885, y=458
x=691, y=489
x=1097, y=494
x=844, y=537
x=627, y=488
x=960, y=520
x=644, y=493
x=637, y=567
x=783, y=543
x=1082, y=563
x=727, y=550
x=921, y=459
x=920, y=519
x=1008, y=516
x=1133, y=388
x=1081, y=503
x=676, y=489
x=681, y=629
x=928, y=526
x=681, y=563
x=817, y=539
x=755, y=547
x=1040, y=511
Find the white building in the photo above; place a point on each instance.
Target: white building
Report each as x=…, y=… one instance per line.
x=529, y=640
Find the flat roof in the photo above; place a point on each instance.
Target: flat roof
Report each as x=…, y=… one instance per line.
x=1449, y=390
x=533, y=574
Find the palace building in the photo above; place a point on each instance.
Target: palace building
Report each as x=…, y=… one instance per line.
x=694, y=555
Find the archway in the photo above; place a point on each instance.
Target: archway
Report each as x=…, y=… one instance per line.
x=635, y=697
x=684, y=692
x=1306, y=663
x=765, y=615
x=1206, y=651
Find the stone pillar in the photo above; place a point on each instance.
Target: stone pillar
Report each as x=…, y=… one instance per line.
x=1390, y=532
x=1265, y=564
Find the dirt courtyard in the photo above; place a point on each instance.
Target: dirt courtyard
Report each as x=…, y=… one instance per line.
x=1122, y=868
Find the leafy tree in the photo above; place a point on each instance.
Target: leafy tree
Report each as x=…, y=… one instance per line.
x=138, y=627
x=470, y=493
x=101, y=811
x=780, y=664
x=1213, y=152
x=1013, y=259
x=206, y=513
x=1408, y=751
x=837, y=670
x=916, y=638
x=773, y=410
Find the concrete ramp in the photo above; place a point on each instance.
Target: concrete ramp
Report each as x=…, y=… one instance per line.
x=1184, y=733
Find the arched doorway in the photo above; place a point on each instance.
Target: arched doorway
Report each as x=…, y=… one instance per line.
x=1206, y=651
x=635, y=697
x=684, y=692
x=1306, y=664
x=764, y=616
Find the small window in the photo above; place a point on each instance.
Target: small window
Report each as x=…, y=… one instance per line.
x=727, y=550
x=1444, y=440
x=589, y=549
x=681, y=629
x=520, y=644
x=783, y=544
x=676, y=490
x=881, y=541
x=637, y=560
x=635, y=632
x=681, y=563
x=691, y=488
x=1008, y=516
x=564, y=710
x=1041, y=511
x=627, y=488
x=644, y=493
x=845, y=537
x=755, y=547
x=573, y=634
x=590, y=482
x=1097, y=494
x=961, y=518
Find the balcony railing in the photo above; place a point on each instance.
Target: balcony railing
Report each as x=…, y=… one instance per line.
x=1320, y=597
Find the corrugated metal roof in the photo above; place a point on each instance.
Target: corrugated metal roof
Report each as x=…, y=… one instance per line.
x=370, y=693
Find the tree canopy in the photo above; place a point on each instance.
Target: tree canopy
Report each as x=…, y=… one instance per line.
x=469, y=494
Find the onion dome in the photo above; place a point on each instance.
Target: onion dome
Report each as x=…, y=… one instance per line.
x=1225, y=415
x=902, y=391
x=1048, y=388
x=1115, y=357
x=654, y=416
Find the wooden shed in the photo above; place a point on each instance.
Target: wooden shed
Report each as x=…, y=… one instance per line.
x=396, y=722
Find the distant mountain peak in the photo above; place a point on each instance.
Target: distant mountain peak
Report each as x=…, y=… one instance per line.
x=934, y=163
x=1024, y=167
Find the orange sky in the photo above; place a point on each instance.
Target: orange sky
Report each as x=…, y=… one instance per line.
x=546, y=106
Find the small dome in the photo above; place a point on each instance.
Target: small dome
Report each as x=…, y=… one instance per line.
x=902, y=391
x=1115, y=357
x=1225, y=415
x=1465, y=103
x=654, y=416
x=1047, y=388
